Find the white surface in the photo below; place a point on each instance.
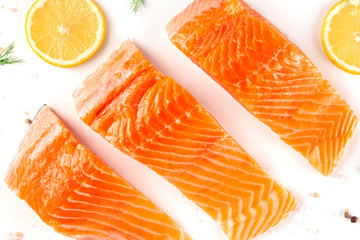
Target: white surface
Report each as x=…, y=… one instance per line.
x=25, y=87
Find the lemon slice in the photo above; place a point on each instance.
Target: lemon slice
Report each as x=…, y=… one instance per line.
x=65, y=33
x=341, y=35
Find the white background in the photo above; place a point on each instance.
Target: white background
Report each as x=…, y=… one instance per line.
x=25, y=87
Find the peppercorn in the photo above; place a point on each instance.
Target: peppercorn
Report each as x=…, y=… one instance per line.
x=354, y=219
x=316, y=195
x=28, y=121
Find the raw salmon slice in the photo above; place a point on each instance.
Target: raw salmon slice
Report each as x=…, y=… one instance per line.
x=74, y=192
x=268, y=75
x=154, y=120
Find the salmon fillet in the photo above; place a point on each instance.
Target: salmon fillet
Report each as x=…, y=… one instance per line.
x=74, y=192
x=154, y=120
x=270, y=76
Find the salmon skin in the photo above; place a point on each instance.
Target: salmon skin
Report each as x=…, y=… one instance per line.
x=268, y=75
x=74, y=192
x=154, y=120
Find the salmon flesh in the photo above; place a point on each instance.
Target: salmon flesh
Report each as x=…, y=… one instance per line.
x=270, y=76
x=76, y=193
x=151, y=118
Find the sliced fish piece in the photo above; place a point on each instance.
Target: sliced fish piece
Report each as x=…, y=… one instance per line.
x=76, y=193
x=153, y=119
x=270, y=76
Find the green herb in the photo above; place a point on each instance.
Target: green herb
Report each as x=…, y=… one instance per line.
x=136, y=4
x=6, y=58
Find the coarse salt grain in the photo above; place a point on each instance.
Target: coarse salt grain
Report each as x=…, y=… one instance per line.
x=313, y=231
x=342, y=176
x=34, y=75
x=15, y=236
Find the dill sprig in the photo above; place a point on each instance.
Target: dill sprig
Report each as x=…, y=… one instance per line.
x=7, y=58
x=136, y=4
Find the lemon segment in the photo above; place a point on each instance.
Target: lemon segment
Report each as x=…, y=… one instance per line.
x=340, y=35
x=65, y=33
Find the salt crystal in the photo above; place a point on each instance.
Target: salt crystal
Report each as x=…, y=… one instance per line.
x=34, y=75
x=313, y=231
x=199, y=220
x=15, y=236
x=342, y=176
x=300, y=222
x=330, y=214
